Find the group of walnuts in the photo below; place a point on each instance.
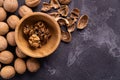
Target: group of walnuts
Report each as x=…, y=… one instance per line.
x=9, y=64
x=37, y=34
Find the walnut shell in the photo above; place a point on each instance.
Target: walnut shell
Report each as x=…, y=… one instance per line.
x=24, y=10
x=19, y=53
x=46, y=7
x=82, y=22
x=11, y=38
x=75, y=13
x=71, y=21
x=20, y=66
x=64, y=10
x=71, y=28
x=3, y=43
x=10, y=5
x=62, y=21
x=7, y=72
x=3, y=28
x=54, y=14
x=3, y=14
x=55, y=4
x=32, y=65
x=64, y=2
x=6, y=57
x=65, y=36
x=13, y=20
x=32, y=3
x=1, y=2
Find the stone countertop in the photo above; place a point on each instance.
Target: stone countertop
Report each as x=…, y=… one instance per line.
x=93, y=53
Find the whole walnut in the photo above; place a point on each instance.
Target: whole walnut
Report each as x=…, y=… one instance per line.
x=1, y=2
x=32, y=3
x=11, y=38
x=12, y=21
x=32, y=65
x=3, y=28
x=3, y=14
x=7, y=72
x=3, y=43
x=19, y=53
x=6, y=57
x=20, y=66
x=10, y=5
x=64, y=2
x=24, y=10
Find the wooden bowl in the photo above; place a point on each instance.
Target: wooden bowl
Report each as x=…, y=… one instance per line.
x=46, y=49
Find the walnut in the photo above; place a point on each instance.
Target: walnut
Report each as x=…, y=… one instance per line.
x=34, y=41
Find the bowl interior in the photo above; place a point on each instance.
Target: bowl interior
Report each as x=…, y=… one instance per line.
x=52, y=43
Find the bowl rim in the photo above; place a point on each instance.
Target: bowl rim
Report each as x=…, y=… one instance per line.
x=17, y=31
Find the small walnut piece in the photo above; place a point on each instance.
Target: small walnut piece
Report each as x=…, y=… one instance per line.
x=64, y=10
x=82, y=22
x=6, y=57
x=64, y=2
x=75, y=13
x=32, y=3
x=65, y=36
x=11, y=38
x=19, y=53
x=32, y=65
x=3, y=28
x=55, y=4
x=7, y=72
x=1, y=2
x=20, y=66
x=46, y=7
x=10, y=5
x=34, y=41
x=3, y=14
x=3, y=43
x=24, y=10
x=13, y=21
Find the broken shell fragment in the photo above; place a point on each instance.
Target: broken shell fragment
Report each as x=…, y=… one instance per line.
x=75, y=13
x=65, y=36
x=71, y=28
x=54, y=14
x=82, y=22
x=55, y=4
x=65, y=2
x=71, y=21
x=46, y=7
x=64, y=10
x=62, y=21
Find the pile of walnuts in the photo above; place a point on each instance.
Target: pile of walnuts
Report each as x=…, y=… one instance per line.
x=37, y=34
x=12, y=63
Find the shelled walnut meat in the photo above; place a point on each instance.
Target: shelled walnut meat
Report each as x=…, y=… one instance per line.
x=37, y=34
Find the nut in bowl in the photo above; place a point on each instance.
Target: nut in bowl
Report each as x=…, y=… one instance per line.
x=24, y=43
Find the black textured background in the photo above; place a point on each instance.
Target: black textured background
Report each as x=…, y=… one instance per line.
x=93, y=54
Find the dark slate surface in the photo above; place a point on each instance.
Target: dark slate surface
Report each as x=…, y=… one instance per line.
x=93, y=53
